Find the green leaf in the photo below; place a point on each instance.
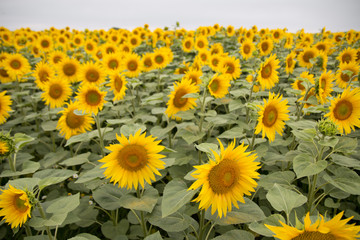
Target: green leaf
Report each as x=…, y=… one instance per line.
x=21, y=140
x=272, y=220
x=154, y=236
x=283, y=199
x=146, y=203
x=84, y=137
x=176, y=195
x=49, y=126
x=207, y=147
x=109, y=196
x=53, y=158
x=38, y=237
x=24, y=183
x=246, y=213
x=346, y=145
x=84, y=236
x=305, y=135
x=176, y=222
x=91, y=174
x=77, y=160
x=158, y=131
x=345, y=161
x=281, y=178
x=64, y=204
x=55, y=220
x=52, y=176
x=329, y=142
x=235, y=132
x=235, y=104
x=190, y=136
x=131, y=129
x=304, y=165
x=236, y=235
x=345, y=179
x=111, y=231
x=27, y=167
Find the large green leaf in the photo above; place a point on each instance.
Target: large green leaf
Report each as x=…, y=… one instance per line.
x=109, y=196
x=236, y=235
x=146, y=203
x=52, y=176
x=64, y=204
x=304, y=165
x=344, y=179
x=272, y=220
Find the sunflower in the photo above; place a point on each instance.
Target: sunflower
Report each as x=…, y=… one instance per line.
x=112, y=62
x=226, y=179
x=188, y=44
x=230, y=31
x=230, y=67
x=90, y=46
x=325, y=86
x=147, y=62
x=247, y=48
x=160, y=58
x=176, y=102
x=117, y=85
x=91, y=99
x=347, y=55
x=323, y=46
x=68, y=69
x=133, y=161
x=15, y=206
x=194, y=76
x=218, y=86
x=298, y=84
x=43, y=72
x=183, y=68
x=203, y=56
x=201, y=42
x=272, y=116
x=250, y=78
x=290, y=62
x=132, y=64
x=265, y=47
x=277, y=34
x=108, y=48
x=56, y=92
x=321, y=60
x=216, y=49
x=214, y=61
x=4, y=76
x=5, y=102
x=45, y=43
x=70, y=123
x=305, y=57
x=345, y=110
x=319, y=230
x=342, y=79
x=267, y=74
x=289, y=41
x=55, y=57
x=16, y=65
x=134, y=41
x=91, y=73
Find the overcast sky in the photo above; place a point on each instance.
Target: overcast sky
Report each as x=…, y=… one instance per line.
x=312, y=15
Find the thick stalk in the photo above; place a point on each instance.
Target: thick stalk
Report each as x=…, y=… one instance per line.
x=201, y=227
x=142, y=222
x=101, y=137
x=42, y=213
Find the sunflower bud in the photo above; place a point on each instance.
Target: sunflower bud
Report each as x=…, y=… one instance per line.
x=7, y=145
x=327, y=127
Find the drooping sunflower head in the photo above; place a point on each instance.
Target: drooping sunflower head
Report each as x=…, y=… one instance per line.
x=345, y=110
x=118, y=85
x=43, y=72
x=268, y=75
x=15, y=206
x=7, y=145
x=272, y=116
x=230, y=67
x=56, y=92
x=305, y=57
x=247, y=48
x=133, y=161
x=132, y=65
x=290, y=62
x=347, y=55
x=226, y=179
x=91, y=99
x=177, y=102
x=347, y=72
x=218, y=86
x=333, y=229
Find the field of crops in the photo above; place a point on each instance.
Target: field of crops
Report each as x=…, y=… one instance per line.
x=214, y=133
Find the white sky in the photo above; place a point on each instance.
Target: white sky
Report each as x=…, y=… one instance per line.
x=312, y=15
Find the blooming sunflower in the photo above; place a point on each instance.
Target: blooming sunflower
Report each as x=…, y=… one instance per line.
x=325, y=86
x=267, y=75
x=214, y=61
x=298, y=84
x=289, y=41
x=132, y=64
x=71, y=124
x=91, y=99
x=201, y=42
x=218, y=86
x=5, y=102
x=45, y=43
x=216, y=49
x=188, y=44
x=272, y=116
x=342, y=79
x=345, y=110
x=250, y=79
x=176, y=102
x=230, y=67
x=147, y=62
x=55, y=57
x=68, y=69
x=347, y=55
x=56, y=92
x=290, y=62
x=247, y=48
x=265, y=47
x=90, y=46
x=16, y=65
x=305, y=57
x=230, y=31
x=226, y=179
x=4, y=76
x=15, y=206
x=91, y=73
x=183, y=68
x=203, y=57
x=133, y=161
x=43, y=72
x=320, y=230
x=118, y=85
x=112, y=62
x=194, y=76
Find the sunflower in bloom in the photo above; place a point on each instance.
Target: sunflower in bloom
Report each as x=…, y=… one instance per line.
x=112, y=62
x=92, y=73
x=250, y=78
x=56, y=92
x=56, y=56
x=305, y=57
x=4, y=76
x=298, y=84
x=160, y=58
x=176, y=102
x=345, y=110
x=132, y=65
x=343, y=78
x=290, y=62
x=216, y=49
x=214, y=61
x=347, y=55
x=201, y=42
x=289, y=41
x=219, y=86
x=247, y=48
x=325, y=86
x=68, y=69
x=230, y=31
x=267, y=75
x=45, y=43
x=43, y=72
x=117, y=85
x=133, y=161
x=226, y=179
x=188, y=44
x=91, y=99
x=15, y=206
x=230, y=67
x=272, y=116
x=70, y=123
x=183, y=68
x=323, y=46
x=147, y=62
x=265, y=47
x=16, y=65
x=334, y=229
x=5, y=102
x=203, y=57
x=194, y=76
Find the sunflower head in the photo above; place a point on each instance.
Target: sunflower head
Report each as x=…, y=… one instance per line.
x=56, y=92
x=91, y=99
x=218, y=86
x=118, y=85
x=5, y=103
x=7, y=145
x=268, y=74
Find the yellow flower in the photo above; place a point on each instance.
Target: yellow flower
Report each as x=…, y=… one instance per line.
x=56, y=92
x=247, y=48
x=305, y=57
x=91, y=99
x=345, y=110
x=226, y=179
x=91, y=73
x=45, y=43
x=68, y=69
x=219, y=86
x=334, y=229
x=43, y=72
x=160, y=59
x=147, y=62
x=112, y=62
x=342, y=79
x=194, y=76
x=230, y=67
x=347, y=55
x=132, y=65
x=56, y=56
x=133, y=161
x=230, y=31
x=15, y=206
x=5, y=102
x=201, y=42
x=272, y=116
x=71, y=124
x=90, y=46
x=267, y=74
x=16, y=65
x=176, y=102
x=117, y=85
x=216, y=49
x=203, y=56
x=265, y=47
x=325, y=86
x=214, y=61
x=298, y=84
x=290, y=62
x=188, y=44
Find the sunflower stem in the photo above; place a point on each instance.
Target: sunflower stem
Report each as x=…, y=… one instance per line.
x=132, y=101
x=201, y=227
x=27, y=229
x=208, y=234
x=101, y=137
x=303, y=104
x=12, y=162
x=42, y=213
x=249, y=100
x=142, y=222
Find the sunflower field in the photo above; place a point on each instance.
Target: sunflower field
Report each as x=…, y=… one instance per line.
x=214, y=133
